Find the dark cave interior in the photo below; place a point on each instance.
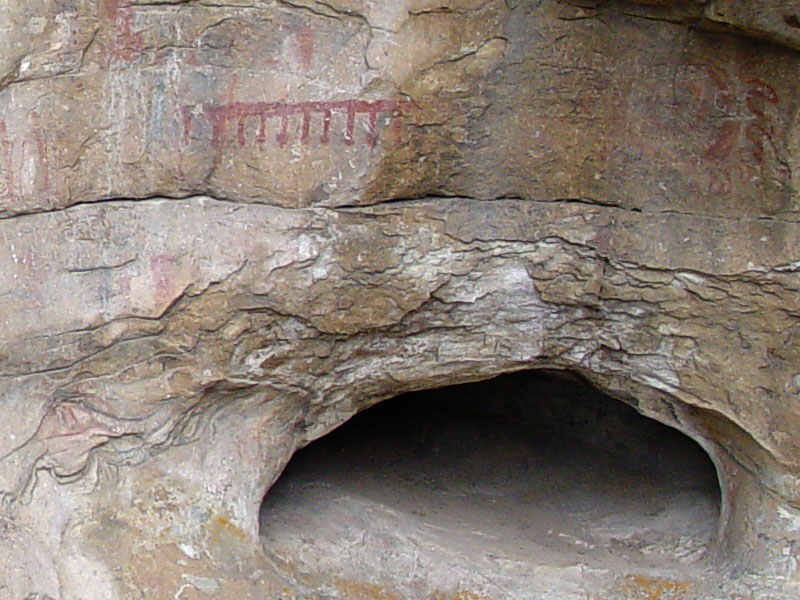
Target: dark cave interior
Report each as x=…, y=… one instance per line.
x=536, y=467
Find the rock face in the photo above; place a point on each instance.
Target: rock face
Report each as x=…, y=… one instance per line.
x=227, y=227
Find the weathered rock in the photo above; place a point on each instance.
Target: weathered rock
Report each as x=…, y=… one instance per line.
x=230, y=226
x=774, y=20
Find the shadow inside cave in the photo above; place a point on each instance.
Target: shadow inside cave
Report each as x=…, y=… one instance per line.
x=529, y=485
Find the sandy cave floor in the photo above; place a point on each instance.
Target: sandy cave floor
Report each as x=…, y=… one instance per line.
x=475, y=506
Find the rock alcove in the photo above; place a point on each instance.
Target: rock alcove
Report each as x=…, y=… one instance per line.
x=530, y=485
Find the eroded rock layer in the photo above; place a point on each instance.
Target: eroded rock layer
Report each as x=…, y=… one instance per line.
x=228, y=226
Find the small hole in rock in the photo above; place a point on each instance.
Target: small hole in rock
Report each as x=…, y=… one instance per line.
x=525, y=484
x=792, y=20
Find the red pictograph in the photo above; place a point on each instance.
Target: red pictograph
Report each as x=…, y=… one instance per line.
x=219, y=116
x=742, y=114
x=738, y=104
x=126, y=44
x=761, y=129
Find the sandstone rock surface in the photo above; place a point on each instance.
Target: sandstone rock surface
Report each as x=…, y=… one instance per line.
x=225, y=227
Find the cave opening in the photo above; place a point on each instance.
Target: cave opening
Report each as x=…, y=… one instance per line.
x=525, y=485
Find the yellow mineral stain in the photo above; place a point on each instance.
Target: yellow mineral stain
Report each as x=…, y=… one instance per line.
x=221, y=528
x=642, y=587
x=354, y=590
x=469, y=596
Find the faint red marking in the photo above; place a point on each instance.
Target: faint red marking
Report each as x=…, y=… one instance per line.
x=34, y=275
x=719, y=182
x=68, y=419
x=7, y=147
x=760, y=89
x=305, y=46
x=124, y=284
x=162, y=267
x=230, y=92
x=34, y=145
x=186, y=114
x=126, y=45
x=757, y=133
x=727, y=138
x=219, y=115
x=68, y=422
x=70, y=431
x=41, y=148
x=762, y=129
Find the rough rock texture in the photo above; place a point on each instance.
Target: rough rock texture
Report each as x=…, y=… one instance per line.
x=228, y=226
